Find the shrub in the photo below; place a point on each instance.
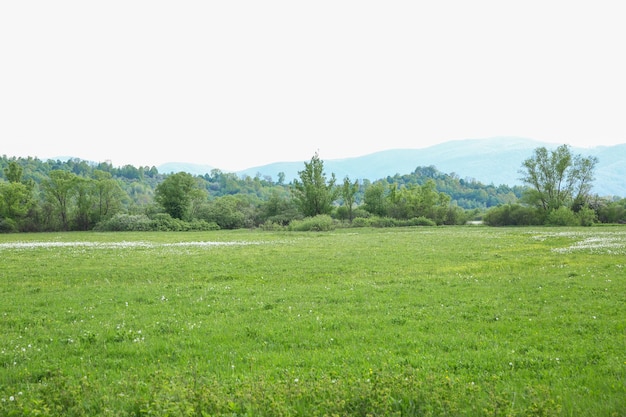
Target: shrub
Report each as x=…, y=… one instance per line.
x=421, y=221
x=586, y=216
x=319, y=223
x=562, y=217
x=125, y=222
x=160, y=222
x=360, y=222
x=271, y=226
x=166, y=223
x=203, y=226
x=512, y=215
x=376, y=221
x=8, y=226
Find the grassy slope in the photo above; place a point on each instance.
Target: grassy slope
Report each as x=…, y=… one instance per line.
x=427, y=321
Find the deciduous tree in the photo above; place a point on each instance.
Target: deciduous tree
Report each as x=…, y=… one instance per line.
x=177, y=193
x=313, y=193
x=348, y=193
x=58, y=191
x=557, y=178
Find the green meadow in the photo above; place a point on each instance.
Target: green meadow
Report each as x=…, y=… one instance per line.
x=426, y=321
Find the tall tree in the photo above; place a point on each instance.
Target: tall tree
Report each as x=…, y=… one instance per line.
x=13, y=172
x=177, y=194
x=374, y=199
x=15, y=202
x=348, y=193
x=84, y=199
x=557, y=178
x=313, y=193
x=108, y=195
x=59, y=190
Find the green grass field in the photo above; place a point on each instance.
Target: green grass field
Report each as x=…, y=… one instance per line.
x=413, y=321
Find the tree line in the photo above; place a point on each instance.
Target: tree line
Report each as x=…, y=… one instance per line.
x=68, y=195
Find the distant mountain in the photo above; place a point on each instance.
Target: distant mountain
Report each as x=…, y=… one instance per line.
x=194, y=169
x=490, y=161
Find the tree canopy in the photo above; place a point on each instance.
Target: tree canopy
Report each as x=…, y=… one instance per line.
x=53, y=195
x=558, y=178
x=314, y=194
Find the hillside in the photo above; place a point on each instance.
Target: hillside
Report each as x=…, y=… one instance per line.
x=490, y=161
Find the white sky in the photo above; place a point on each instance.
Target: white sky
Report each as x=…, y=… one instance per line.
x=236, y=84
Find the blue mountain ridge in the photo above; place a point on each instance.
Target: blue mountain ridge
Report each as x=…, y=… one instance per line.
x=491, y=161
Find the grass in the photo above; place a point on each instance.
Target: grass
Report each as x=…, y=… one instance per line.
x=414, y=321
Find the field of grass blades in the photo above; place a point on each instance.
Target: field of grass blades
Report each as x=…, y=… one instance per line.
x=430, y=321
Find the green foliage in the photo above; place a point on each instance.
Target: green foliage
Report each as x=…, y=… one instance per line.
x=8, y=225
x=612, y=211
x=557, y=178
x=59, y=190
x=410, y=201
x=13, y=172
x=466, y=193
x=513, y=215
x=348, y=193
x=271, y=226
x=319, y=223
x=123, y=222
x=586, y=216
x=378, y=222
x=562, y=216
x=421, y=221
x=374, y=199
x=177, y=194
x=230, y=212
x=36, y=197
x=313, y=193
x=16, y=200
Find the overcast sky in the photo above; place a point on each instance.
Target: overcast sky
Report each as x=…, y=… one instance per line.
x=236, y=84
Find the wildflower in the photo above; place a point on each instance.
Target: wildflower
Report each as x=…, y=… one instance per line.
x=11, y=398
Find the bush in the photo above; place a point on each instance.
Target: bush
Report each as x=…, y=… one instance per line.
x=319, y=223
x=376, y=221
x=360, y=222
x=512, y=215
x=271, y=226
x=160, y=222
x=562, y=217
x=203, y=226
x=586, y=216
x=8, y=226
x=125, y=223
x=420, y=221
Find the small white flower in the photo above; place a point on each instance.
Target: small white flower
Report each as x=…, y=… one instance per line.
x=11, y=398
